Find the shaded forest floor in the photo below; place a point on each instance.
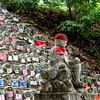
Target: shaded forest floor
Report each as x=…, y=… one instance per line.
x=45, y=20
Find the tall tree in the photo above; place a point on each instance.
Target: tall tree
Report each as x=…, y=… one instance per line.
x=81, y=7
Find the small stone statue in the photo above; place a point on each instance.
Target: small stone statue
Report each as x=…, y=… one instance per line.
x=60, y=75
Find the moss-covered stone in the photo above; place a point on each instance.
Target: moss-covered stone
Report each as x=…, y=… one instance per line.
x=23, y=34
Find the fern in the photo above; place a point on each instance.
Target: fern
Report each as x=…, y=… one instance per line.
x=71, y=26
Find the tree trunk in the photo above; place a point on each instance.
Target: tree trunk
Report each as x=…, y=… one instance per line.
x=70, y=12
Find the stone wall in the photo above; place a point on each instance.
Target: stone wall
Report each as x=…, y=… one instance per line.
x=66, y=96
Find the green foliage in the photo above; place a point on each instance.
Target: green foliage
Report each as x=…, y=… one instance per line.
x=98, y=4
x=30, y=4
x=90, y=19
x=15, y=5
x=90, y=34
x=95, y=14
x=86, y=21
x=54, y=4
x=4, y=1
x=22, y=4
x=72, y=26
x=81, y=7
x=93, y=51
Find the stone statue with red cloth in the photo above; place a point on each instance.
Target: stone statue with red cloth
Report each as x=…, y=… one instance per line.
x=58, y=52
x=60, y=75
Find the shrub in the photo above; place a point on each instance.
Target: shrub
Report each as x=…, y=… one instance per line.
x=71, y=26
x=93, y=51
x=30, y=4
x=90, y=18
x=95, y=14
x=22, y=4
x=15, y=5
x=86, y=20
x=90, y=34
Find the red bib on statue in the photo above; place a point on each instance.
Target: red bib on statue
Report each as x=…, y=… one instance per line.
x=38, y=42
x=61, y=50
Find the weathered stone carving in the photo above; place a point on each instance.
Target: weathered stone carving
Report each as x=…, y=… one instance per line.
x=64, y=73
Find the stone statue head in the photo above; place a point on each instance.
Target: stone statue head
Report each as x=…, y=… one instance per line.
x=61, y=40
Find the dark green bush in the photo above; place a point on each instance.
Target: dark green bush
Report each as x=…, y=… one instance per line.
x=91, y=18
x=90, y=34
x=21, y=4
x=30, y=4
x=95, y=14
x=71, y=26
x=93, y=51
x=86, y=20
x=15, y=5
x=83, y=25
x=4, y=1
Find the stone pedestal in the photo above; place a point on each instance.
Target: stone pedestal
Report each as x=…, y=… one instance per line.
x=64, y=96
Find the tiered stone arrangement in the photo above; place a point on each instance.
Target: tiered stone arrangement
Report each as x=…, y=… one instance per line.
x=21, y=58
x=25, y=63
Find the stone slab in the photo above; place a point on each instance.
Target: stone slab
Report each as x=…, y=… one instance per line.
x=66, y=96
